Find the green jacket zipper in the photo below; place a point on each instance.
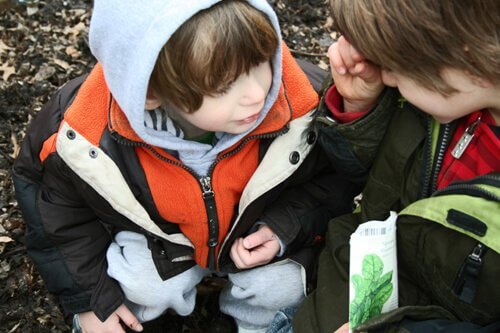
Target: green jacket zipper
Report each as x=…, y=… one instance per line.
x=434, y=162
x=457, y=151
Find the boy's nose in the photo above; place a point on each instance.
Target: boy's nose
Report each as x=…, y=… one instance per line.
x=254, y=91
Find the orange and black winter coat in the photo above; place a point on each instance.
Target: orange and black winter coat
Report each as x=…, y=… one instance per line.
x=83, y=175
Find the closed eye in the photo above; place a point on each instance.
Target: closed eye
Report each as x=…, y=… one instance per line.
x=221, y=91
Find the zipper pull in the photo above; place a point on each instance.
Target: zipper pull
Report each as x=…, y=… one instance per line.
x=206, y=187
x=465, y=140
x=213, y=222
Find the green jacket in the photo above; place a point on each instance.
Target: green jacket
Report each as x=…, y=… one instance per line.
x=399, y=147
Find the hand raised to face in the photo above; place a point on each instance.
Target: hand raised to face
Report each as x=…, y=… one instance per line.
x=358, y=80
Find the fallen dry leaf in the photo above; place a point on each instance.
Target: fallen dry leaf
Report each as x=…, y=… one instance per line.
x=74, y=31
x=61, y=63
x=5, y=239
x=7, y=71
x=45, y=72
x=73, y=52
x=15, y=145
x=4, y=47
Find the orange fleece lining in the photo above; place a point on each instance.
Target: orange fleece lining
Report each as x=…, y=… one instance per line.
x=49, y=146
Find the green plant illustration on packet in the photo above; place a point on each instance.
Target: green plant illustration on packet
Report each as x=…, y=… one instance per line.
x=372, y=290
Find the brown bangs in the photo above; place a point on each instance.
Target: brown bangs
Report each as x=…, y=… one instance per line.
x=210, y=51
x=420, y=38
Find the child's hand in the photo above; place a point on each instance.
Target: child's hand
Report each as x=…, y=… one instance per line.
x=256, y=249
x=356, y=79
x=343, y=329
x=91, y=324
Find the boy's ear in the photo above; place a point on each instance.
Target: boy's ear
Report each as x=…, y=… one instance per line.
x=152, y=102
x=481, y=81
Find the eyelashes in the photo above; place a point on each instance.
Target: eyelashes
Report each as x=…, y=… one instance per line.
x=221, y=91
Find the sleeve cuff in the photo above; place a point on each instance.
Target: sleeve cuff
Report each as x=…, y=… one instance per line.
x=334, y=102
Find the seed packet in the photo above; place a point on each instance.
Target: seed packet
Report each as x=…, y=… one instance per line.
x=373, y=270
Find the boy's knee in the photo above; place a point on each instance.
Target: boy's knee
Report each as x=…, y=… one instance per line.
x=276, y=285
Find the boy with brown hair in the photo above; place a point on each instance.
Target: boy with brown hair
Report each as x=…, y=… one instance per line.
x=185, y=152
x=432, y=150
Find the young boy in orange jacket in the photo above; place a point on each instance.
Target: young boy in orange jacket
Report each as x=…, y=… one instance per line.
x=186, y=151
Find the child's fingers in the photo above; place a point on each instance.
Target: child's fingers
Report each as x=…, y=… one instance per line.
x=346, y=51
x=249, y=259
x=354, y=54
x=344, y=57
x=367, y=72
x=257, y=256
x=128, y=318
x=259, y=237
x=349, y=54
x=336, y=62
x=236, y=249
x=263, y=254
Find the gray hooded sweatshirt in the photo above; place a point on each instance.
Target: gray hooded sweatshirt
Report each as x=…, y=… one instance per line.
x=126, y=38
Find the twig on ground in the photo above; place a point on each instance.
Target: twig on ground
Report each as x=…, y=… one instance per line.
x=308, y=54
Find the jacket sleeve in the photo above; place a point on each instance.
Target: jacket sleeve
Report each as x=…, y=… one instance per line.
x=64, y=237
x=300, y=215
x=352, y=147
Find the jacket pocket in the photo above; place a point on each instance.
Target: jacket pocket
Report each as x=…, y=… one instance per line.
x=437, y=258
x=170, y=259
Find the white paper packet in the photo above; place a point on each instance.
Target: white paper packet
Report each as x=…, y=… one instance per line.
x=373, y=272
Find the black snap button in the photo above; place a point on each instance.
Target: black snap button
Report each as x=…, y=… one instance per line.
x=212, y=243
x=163, y=253
x=93, y=153
x=294, y=157
x=71, y=134
x=311, y=137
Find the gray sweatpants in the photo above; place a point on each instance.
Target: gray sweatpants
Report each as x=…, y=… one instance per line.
x=251, y=297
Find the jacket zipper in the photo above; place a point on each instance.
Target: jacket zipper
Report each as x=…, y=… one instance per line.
x=212, y=260
x=467, y=280
x=428, y=160
x=457, y=151
x=465, y=139
x=213, y=221
x=208, y=194
x=262, y=136
x=434, y=165
x=440, y=156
